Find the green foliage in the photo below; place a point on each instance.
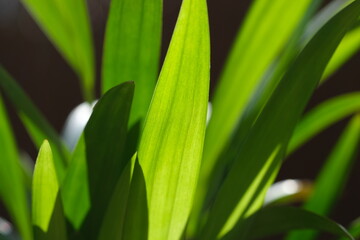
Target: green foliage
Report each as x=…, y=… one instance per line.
x=147, y=166
x=12, y=187
x=132, y=49
x=47, y=214
x=66, y=23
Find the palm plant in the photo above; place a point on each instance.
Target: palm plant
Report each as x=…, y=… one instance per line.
x=148, y=165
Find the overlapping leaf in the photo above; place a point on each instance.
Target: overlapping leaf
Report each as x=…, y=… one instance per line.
x=98, y=162
x=323, y=116
x=132, y=49
x=260, y=155
x=337, y=169
x=265, y=32
x=263, y=35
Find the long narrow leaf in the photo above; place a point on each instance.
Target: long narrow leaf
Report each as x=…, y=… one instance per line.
x=263, y=35
x=323, y=116
x=12, y=185
x=35, y=123
x=171, y=146
x=66, y=23
x=266, y=31
x=98, y=162
x=47, y=214
x=337, y=169
x=132, y=49
x=348, y=47
x=113, y=224
x=277, y=220
x=260, y=155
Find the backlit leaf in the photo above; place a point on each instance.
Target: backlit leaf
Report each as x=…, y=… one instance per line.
x=132, y=50
x=322, y=116
x=47, y=215
x=336, y=168
x=171, y=145
x=259, y=157
x=66, y=23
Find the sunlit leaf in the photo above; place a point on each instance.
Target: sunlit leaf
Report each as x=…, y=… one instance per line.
x=47, y=216
x=336, y=168
x=264, y=34
x=98, y=162
x=322, y=116
x=132, y=49
x=267, y=29
x=35, y=123
x=12, y=185
x=171, y=145
x=259, y=157
x=347, y=48
x=66, y=23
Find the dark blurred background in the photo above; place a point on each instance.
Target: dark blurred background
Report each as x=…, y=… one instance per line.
x=28, y=55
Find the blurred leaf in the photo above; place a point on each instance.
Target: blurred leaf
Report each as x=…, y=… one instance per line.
x=347, y=48
x=259, y=157
x=66, y=23
x=276, y=220
x=97, y=162
x=262, y=37
x=171, y=145
x=266, y=31
x=47, y=216
x=333, y=176
x=34, y=122
x=322, y=116
x=132, y=50
x=12, y=185
x=354, y=229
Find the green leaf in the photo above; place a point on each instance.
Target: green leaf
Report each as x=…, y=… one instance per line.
x=277, y=220
x=136, y=225
x=354, y=229
x=113, y=223
x=322, y=116
x=347, y=48
x=132, y=50
x=47, y=215
x=259, y=157
x=264, y=34
x=66, y=23
x=333, y=176
x=267, y=30
x=98, y=162
x=171, y=145
x=35, y=123
x=12, y=185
